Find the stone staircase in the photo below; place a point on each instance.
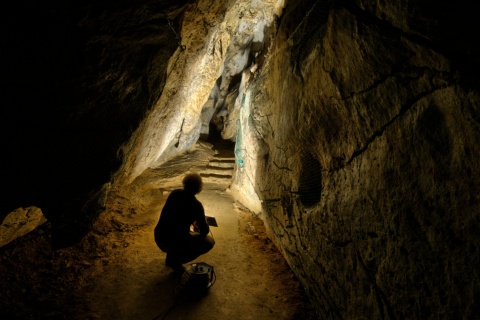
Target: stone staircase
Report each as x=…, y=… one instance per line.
x=219, y=170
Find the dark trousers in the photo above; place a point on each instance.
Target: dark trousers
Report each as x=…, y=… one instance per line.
x=187, y=250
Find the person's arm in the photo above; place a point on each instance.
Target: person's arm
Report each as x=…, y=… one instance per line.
x=200, y=219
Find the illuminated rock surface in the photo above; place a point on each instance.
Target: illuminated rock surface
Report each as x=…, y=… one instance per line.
x=20, y=222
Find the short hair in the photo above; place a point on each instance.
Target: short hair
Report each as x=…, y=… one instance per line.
x=192, y=183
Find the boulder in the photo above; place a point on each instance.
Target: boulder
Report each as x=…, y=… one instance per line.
x=20, y=222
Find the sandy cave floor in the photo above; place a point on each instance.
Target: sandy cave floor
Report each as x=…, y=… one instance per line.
x=117, y=271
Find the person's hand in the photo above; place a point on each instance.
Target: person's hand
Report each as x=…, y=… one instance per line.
x=196, y=228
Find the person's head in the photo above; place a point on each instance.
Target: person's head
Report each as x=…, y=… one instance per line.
x=192, y=183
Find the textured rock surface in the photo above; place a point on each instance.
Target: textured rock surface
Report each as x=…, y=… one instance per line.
x=219, y=41
x=365, y=146
x=20, y=222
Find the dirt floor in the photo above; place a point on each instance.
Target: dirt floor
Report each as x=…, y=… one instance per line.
x=117, y=271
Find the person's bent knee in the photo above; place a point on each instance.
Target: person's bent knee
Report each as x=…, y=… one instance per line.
x=164, y=247
x=209, y=242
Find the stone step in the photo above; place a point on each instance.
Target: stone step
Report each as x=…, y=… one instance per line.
x=216, y=179
x=224, y=158
x=219, y=163
x=225, y=153
x=219, y=171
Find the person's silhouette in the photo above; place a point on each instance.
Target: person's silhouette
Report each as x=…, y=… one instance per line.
x=173, y=233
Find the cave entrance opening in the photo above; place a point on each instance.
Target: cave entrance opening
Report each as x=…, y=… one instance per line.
x=224, y=146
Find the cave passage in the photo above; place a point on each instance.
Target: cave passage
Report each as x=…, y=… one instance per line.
x=215, y=138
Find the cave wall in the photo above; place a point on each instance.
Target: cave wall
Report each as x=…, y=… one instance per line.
x=364, y=131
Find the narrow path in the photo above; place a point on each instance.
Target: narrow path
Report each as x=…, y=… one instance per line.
x=133, y=282
x=252, y=279
x=117, y=272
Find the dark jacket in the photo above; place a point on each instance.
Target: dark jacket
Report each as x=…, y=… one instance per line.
x=181, y=210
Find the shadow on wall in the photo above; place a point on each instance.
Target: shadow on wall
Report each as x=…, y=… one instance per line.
x=310, y=184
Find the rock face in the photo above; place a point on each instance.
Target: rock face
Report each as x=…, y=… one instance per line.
x=364, y=146
x=20, y=222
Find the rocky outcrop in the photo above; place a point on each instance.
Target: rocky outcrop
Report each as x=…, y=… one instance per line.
x=363, y=147
x=20, y=222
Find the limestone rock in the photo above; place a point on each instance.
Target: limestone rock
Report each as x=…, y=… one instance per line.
x=20, y=222
x=220, y=41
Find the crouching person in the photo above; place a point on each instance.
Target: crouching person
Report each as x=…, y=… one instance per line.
x=173, y=233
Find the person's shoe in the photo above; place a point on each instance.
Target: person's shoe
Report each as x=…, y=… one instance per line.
x=177, y=267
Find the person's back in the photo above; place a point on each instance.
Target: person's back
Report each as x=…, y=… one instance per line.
x=181, y=210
